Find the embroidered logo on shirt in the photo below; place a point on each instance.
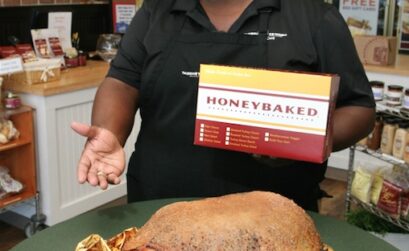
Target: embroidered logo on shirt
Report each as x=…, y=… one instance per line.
x=191, y=74
x=271, y=35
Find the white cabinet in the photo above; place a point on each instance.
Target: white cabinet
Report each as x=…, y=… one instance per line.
x=59, y=149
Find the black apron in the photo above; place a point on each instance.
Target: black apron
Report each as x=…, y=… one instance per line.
x=166, y=164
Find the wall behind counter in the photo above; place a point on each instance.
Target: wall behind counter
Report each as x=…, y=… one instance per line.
x=88, y=19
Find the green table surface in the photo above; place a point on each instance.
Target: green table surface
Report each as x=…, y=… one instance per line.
x=108, y=222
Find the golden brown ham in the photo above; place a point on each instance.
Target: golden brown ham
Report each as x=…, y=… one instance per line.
x=243, y=221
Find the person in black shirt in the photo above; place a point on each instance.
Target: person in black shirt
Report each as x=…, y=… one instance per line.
x=168, y=38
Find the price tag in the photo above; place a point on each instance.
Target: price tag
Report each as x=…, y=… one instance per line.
x=11, y=65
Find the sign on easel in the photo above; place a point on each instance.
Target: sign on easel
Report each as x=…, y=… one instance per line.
x=361, y=16
x=11, y=65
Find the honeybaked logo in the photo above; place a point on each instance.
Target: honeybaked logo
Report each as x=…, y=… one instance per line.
x=270, y=35
x=261, y=106
x=191, y=74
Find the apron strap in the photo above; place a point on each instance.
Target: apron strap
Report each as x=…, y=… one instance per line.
x=264, y=25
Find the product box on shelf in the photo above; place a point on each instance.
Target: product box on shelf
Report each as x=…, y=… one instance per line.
x=36, y=72
x=277, y=113
x=376, y=50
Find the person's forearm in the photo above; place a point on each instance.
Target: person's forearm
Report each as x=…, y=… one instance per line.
x=351, y=123
x=114, y=108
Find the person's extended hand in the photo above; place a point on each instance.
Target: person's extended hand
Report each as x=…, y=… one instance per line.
x=103, y=158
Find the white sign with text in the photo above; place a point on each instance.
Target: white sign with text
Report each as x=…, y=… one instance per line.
x=11, y=65
x=360, y=15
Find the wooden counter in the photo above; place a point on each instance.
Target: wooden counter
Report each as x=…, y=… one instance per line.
x=72, y=79
x=401, y=67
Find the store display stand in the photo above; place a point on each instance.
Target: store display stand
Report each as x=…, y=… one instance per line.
x=381, y=156
x=18, y=156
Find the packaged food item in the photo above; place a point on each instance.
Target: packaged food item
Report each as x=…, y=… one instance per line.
x=7, y=184
x=390, y=199
x=361, y=184
x=27, y=52
x=7, y=51
x=374, y=138
x=47, y=43
x=399, y=140
x=248, y=98
x=388, y=134
x=7, y=131
x=377, y=183
x=55, y=46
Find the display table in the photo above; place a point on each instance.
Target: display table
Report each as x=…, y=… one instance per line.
x=108, y=222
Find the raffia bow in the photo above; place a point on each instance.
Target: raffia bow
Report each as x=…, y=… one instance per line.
x=47, y=72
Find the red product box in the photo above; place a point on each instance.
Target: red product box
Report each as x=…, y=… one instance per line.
x=7, y=51
x=277, y=113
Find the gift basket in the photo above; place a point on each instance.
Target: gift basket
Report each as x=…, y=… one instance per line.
x=37, y=72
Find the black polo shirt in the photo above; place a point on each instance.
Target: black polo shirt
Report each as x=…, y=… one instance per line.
x=306, y=35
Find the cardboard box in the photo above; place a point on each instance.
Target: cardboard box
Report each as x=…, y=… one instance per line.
x=276, y=113
x=376, y=50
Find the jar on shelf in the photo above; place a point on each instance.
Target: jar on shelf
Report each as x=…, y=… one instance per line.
x=373, y=141
x=388, y=134
x=394, y=95
x=377, y=89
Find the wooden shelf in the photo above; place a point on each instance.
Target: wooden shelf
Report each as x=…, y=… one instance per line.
x=18, y=155
x=14, y=144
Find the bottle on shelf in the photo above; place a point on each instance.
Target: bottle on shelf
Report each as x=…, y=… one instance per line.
x=373, y=141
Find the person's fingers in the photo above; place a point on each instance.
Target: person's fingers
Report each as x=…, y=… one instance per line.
x=112, y=172
x=113, y=179
x=102, y=180
x=84, y=166
x=80, y=128
x=85, y=130
x=110, y=169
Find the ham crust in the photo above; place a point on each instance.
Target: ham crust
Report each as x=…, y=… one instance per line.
x=244, y=221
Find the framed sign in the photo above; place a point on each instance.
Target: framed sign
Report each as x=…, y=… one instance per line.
x=123, y=12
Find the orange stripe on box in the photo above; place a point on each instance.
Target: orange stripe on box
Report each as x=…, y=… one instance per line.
x=310, y=84
x=202, y=116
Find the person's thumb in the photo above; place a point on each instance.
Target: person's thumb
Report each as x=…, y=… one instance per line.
x=80, y=128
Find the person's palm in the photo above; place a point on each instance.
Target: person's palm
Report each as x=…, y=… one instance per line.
x=103, y=158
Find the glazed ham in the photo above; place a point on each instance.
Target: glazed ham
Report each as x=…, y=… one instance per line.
x=243, y=221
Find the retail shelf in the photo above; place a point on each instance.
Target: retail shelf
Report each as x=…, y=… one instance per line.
x=379, y=155
x=397, y=111
x=373, y=209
